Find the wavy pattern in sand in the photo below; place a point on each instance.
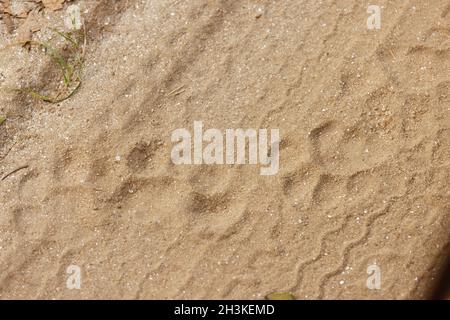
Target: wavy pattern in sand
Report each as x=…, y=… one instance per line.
x=365, y=148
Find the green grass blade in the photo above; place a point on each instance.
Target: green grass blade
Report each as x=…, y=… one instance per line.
x=67, y=37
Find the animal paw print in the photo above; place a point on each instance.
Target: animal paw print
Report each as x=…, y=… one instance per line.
x=142, y=153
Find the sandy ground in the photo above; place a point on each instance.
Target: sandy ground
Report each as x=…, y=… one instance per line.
x=364, y=155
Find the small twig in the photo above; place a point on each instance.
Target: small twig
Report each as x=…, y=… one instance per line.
x=179, y=92
x=392, y=54
x=176, y=90
x=83, y=50
x=14, y=171
x=9, y=150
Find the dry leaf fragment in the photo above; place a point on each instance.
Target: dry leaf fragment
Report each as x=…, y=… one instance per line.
x=22, y=9
x=25, y=31
x=6, y=17
x=24, y=35
x=23, y=14
x=53, y=5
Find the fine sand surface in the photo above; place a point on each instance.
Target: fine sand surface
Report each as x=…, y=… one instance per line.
x=364, y=156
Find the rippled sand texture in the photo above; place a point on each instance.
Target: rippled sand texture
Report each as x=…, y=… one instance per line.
x=365, y=154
